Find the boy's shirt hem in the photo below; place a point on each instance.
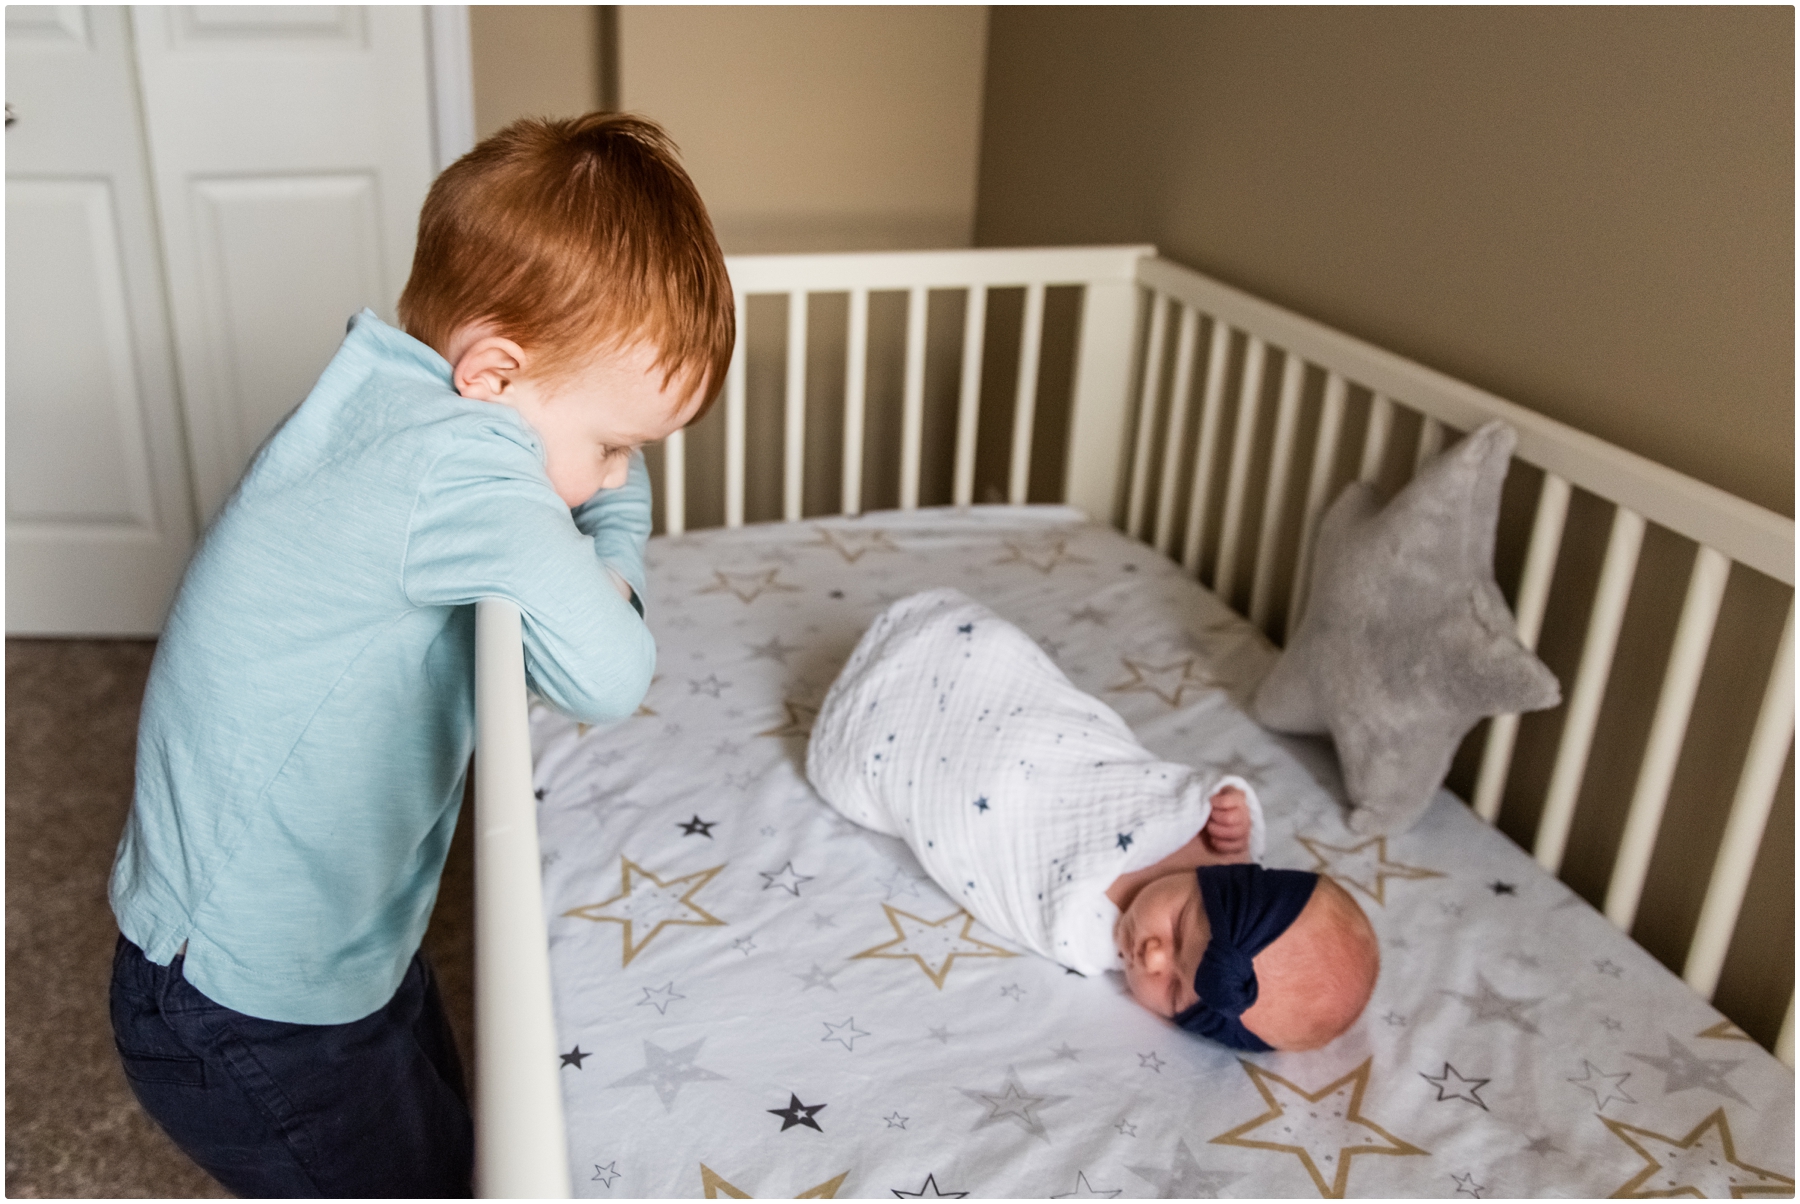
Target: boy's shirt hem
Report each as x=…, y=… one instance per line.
x=341, y=999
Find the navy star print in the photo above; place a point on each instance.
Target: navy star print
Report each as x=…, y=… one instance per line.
x=981, y=804
x=797, y=1113
x=966, y=629
x=1124, y=840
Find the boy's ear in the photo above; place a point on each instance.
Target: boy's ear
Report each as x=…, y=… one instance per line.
x=489, y=369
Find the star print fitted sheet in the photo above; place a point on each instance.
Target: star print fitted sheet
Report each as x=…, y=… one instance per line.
x=756, y=997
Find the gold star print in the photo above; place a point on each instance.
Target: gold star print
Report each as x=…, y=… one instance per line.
x=714, y=1185
x=656, y=906
x=1704, y=1163
x=1725, y=1030
x=1323, y=1128
x=749, y=586
x=853, y=545
x=1356, y=866
x=934, y=944
x=1165, y=681
x=1044, y=555
x=799, y=720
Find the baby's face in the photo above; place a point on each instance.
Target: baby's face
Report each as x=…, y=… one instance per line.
x=1161, y=936
x=1314, y=979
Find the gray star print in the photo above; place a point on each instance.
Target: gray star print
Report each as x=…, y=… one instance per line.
x=1685, y=1070
x=1184, y=1179
x=818, y=977
x=1489, y=1004
x=844, y=1034
x=1013, y=1103
x=774, y=650
x=667, y=1070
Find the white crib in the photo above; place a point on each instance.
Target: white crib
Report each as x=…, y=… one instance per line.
x=1215, y=427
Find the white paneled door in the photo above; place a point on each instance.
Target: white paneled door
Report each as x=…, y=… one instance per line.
x=197, y=200
x=291, y=148
x=98, y=518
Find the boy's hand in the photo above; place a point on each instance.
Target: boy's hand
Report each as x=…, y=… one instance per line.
x=1227, y=830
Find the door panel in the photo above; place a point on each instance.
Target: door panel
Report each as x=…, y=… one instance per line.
x=316, y=237
x=292, y=150
x=99, y=522
x=75, y=435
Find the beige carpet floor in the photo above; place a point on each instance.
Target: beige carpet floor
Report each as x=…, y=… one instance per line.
x=72, y=1126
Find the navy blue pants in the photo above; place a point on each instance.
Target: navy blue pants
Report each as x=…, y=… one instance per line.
x=376, y=1107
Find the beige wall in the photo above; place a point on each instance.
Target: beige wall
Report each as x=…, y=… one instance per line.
x=534, y=60
x=809, y=128
x=1587, y=210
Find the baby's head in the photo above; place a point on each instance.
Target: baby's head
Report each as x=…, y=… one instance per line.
x=1293, y=960
x=568, y=269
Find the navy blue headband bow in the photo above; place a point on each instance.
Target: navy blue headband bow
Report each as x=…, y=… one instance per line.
x=1247, y=908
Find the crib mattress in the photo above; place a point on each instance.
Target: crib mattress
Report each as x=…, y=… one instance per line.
x=755, y=997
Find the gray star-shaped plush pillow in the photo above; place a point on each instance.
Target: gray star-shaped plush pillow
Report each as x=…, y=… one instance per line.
x=1406, y=642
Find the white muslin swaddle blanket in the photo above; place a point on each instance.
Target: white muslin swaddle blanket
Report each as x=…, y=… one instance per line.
x=1021, y=796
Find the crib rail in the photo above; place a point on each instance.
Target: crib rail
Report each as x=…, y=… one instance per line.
x=1248, y=543
x=520, y=1143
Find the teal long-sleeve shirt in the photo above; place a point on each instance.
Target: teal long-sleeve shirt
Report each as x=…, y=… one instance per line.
x=310, y=710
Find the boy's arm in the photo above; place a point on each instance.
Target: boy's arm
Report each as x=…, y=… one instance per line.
x=486, y=524
x=618, y=520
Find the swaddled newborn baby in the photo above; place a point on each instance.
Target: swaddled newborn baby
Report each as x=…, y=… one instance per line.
x=1033, y=805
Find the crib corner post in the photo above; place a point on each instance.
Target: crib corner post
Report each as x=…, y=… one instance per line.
x=1097, y=418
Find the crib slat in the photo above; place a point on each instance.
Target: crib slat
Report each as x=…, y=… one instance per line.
x=1175, y=441
x=1604, y=621
x=968, y=402
x=913, y=412
x=1331, y=428
x=794, y=420
x=734, y=419
x=1687, y=657
x=1757, y=782
x=1375, y=438
x=856, y=362
x=1534, y=594
x=675, y=483
x=1431, y=441
x=1146, y=416
x=1031, y=341
x=1784, y=1041
x=1249, y=393
x=1287, y=416
x=1212, y=404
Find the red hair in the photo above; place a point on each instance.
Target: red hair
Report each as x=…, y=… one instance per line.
x=573, y=237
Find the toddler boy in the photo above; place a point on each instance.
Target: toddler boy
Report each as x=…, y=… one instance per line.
x=1034, y=807
x=310, y=711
